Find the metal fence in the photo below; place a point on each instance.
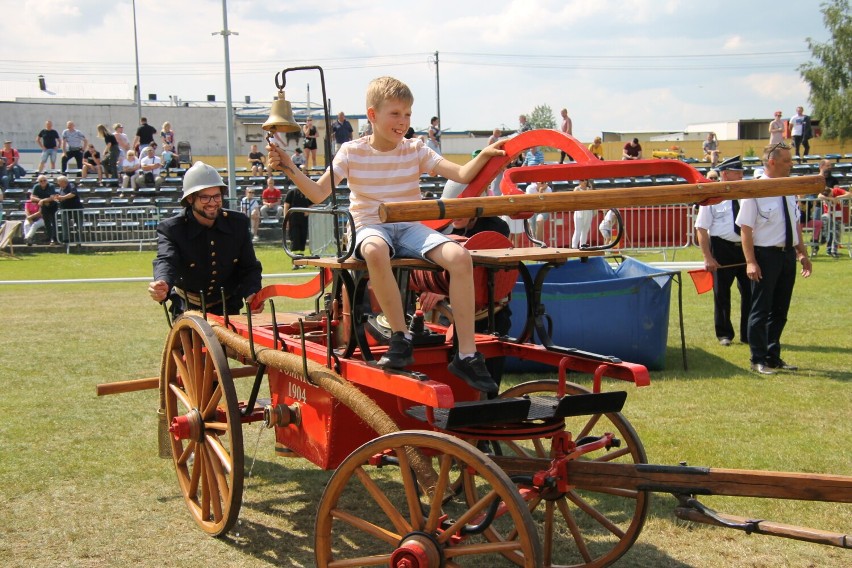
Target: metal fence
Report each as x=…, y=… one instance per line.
x=109, y=225
x=827, y=224
x=659, y=228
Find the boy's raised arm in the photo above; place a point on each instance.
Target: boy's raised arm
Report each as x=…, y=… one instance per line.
x=316, y=191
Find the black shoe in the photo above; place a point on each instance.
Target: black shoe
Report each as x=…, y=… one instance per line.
x=474, y=372
x=780, y=364
x=400, y=352
x=761, y=369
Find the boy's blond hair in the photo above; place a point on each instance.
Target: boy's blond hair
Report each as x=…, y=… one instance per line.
x=385, y=89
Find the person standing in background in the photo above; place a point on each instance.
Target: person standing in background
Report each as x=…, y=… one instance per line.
x=582, y=220
x=73, y=143
x=566, y=128
x=434, y=135
x=48, y=141
x=144, y=136
x=800, y=128
x=310, y=132
x=776, y=129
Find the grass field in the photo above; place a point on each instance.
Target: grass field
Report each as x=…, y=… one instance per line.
x=81, y=483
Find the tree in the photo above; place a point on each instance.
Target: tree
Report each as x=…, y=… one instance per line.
x=542, y=117
x=830, y=79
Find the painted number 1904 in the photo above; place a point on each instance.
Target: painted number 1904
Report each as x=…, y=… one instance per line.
x=297, y=392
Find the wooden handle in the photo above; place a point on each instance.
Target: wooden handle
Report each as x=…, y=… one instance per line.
x=705, y=193
x=119, y=387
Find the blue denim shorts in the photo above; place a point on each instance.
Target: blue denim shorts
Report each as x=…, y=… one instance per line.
x=406, y=240
x=48, y=153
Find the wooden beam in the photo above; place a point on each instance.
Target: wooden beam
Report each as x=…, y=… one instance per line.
x=524, y=205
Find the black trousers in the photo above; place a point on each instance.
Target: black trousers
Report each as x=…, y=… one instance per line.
x=76, y=154
x=297, y=229
x=801, y=141
x=49, y=216
x=725, y=252
x=770, y=302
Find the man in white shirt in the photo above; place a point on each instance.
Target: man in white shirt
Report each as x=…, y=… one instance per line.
x=149, y=172
x=772, y=244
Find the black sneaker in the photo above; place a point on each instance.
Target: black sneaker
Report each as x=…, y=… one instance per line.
x=400, y=352
x=474, y=372
x=781, y=364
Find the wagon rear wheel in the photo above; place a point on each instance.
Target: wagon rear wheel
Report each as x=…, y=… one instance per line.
x=371, y=514
x=204, y=422
x=579, y=528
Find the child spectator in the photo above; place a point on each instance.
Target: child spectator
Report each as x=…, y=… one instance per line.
x=168, y=158
x=400, y=162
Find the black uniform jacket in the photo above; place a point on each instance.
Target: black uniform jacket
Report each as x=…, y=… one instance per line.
x=194, y=259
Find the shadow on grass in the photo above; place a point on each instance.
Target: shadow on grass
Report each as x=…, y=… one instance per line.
x=278, y=514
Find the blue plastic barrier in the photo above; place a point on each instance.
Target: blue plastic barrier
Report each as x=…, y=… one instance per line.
x=622, y=312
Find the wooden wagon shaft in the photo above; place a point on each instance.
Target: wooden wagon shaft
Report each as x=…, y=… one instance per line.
x=693, y=480
x=598, y=199
x=712, y=481
x=119, y=387
x=770, y=528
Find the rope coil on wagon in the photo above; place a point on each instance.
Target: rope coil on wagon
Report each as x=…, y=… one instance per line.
x=341, y=389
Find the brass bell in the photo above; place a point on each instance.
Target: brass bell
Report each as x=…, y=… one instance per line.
x=281, y=116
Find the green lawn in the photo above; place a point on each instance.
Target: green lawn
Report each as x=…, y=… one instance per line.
x=82, y=484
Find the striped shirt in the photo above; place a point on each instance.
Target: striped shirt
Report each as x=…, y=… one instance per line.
x=382, y=177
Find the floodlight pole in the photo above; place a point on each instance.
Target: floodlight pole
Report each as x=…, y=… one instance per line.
x=138, y=86
x=229, y=110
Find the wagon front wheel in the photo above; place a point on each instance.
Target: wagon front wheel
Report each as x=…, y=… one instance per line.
x=204, y=424
x=581, y=528
x=390, y=503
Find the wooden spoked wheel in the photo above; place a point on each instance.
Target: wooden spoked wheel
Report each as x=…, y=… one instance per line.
x=204, y=424
x=372, y=514
x=579, y=528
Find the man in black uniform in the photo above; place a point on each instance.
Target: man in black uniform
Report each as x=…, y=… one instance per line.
x=204, y=250
x=772, y=243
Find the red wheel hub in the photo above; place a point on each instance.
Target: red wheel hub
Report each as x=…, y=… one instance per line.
x=189, y=426
x=417, y=550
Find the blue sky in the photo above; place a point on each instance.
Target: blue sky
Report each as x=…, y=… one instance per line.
x=627, y=65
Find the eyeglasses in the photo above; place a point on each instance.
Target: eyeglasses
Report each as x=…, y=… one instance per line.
x=781, y=145
x=216, y=197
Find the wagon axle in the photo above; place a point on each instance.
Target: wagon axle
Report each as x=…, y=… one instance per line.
x=189, y=426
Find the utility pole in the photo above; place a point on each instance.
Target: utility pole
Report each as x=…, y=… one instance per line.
x=438, y=94
x=138, y=86
x=229, y=108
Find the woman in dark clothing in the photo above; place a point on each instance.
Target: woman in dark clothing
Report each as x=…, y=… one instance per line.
x=110, y=153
